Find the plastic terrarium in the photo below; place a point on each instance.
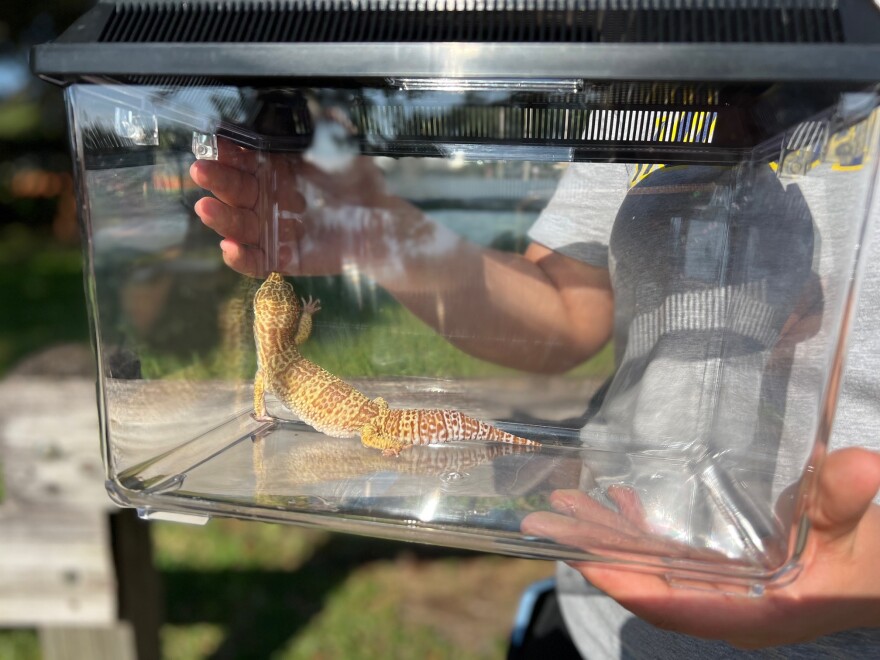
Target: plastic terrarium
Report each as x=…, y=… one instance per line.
x=464, y=207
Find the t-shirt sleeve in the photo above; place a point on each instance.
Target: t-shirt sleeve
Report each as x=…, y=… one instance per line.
x=578, y=219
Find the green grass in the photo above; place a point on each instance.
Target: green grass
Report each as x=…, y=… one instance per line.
x=191, y=642
x=19, y=645
x=41, y=293
x=399, y=344
x=242, y=590
x=232, y=545
x=18, y=118
x=390, y=342
x=335, y=633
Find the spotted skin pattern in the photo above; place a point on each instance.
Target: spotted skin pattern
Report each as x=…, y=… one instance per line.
x=330, y=405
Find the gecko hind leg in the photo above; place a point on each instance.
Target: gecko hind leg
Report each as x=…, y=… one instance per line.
x=372, y=437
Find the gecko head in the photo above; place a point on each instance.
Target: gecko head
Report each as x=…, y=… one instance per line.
x=276, y=306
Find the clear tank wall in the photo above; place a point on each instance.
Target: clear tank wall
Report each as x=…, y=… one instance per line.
x=650, y=283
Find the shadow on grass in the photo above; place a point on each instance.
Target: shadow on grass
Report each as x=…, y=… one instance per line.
x=261, y=610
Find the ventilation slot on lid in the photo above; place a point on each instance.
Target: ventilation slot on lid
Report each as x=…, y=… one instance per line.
x=567, y=21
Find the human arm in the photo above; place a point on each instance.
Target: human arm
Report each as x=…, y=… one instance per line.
x=837, y=589
x=556, y=310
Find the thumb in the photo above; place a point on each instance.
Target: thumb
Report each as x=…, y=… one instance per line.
x=848, y=480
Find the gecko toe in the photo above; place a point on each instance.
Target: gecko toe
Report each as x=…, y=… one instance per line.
x=312, y=305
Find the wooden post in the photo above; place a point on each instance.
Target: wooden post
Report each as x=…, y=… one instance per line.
x=138, y=582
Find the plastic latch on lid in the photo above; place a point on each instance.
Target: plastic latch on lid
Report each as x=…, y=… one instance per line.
x=204, y=146
x=139, y=126
x=802, y=149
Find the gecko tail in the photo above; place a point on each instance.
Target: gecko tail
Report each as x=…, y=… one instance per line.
x=427, y=427
x=494, y=434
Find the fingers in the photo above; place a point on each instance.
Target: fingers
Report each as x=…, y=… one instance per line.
x=240, y=225
x=242, y=258
x=584, y=508
x=241, y=158
x=236, y=177
x=252, y=261
x=630, y=506
x=587, y=524
x=848, y=480
x=583, y=523
x=562, y=529
x=610, y=542
x=229, y=184
x=241, y=213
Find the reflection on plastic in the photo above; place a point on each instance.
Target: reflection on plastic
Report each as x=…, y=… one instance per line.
x=559, y=85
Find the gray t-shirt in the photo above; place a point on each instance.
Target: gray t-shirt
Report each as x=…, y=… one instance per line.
x=704, y=285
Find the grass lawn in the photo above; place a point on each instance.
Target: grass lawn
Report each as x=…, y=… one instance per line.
x=236, y=589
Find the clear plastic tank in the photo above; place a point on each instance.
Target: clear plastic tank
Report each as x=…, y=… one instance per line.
x=649, y=283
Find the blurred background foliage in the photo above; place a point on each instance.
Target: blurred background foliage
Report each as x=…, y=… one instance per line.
x=232, y=589
x=40, y=271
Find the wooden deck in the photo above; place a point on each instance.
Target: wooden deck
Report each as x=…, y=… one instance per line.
x=73, y=566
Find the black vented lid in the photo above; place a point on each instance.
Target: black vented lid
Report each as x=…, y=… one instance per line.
x=554, y=21
x=745, y=40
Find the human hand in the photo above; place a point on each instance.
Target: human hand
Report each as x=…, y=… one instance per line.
x=254, y=194
x=278, y=212
x=838, y=587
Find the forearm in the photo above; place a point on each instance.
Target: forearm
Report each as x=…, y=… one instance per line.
x=540, y=312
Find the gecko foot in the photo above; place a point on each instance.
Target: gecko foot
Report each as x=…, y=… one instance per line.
x=262, y=418
x=311, y=306
x=396, y=451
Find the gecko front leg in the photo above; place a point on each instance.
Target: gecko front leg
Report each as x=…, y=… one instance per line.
x=260, y=413
x=304, y=327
